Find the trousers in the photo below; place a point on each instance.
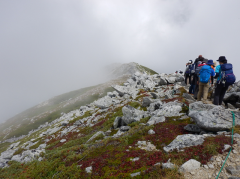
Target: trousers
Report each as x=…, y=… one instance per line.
x=220, y=91
x=203, y=91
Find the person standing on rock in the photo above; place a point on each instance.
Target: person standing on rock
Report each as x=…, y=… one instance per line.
x=206, y=75
x=188, y=72
x=202, y=61
x=225, y=78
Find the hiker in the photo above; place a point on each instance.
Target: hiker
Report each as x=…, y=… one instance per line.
x=202, y=61
x=188, y=72
x=192, y=84
x=206, y=75
x=225, y=78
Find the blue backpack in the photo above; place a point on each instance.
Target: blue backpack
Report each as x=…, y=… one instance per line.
x=205, y=74
x=190, y=68
x=227, y=74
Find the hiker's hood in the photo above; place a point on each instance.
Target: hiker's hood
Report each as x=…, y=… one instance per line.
x=201, y=64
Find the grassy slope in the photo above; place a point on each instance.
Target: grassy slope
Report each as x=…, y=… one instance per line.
x=110, y=158
x=54, y=105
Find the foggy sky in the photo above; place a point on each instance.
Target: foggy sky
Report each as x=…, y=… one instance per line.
x=49, y=47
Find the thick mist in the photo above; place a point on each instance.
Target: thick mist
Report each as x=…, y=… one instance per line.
x=51, y=47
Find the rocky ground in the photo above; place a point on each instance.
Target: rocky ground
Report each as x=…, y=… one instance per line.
x=149, y=127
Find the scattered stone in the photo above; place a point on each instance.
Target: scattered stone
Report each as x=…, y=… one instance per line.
x=168, y=165
x=155, y=120
x=157, y=164
x=232, y=170
x=125, y=128
x=211, y=166
x=189, y=166
x=154, y=95
x=146, y=146
x=183, y=141
x=146, y=102
x=205, y=166
x=135, y=174
x=226, y=147
x=135, y=159
x=150, y=132
x=88, y=169
x=130, y=114
x=96, y=135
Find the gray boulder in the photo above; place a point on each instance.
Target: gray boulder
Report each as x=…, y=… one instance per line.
x=96, y=135
x=192, y=128
x=146, y=102
x=118, y=122
x=163, y=82
x=169, y=109
x=17, y=158
x=130, y=114
x=212, y=118
x=190, y=165
x=232, y=97
x=182, y=141
x=155, y=106
x=154, y=95
x=155, y=120
x=179, y=79
x=8, y=154
x=171, y=80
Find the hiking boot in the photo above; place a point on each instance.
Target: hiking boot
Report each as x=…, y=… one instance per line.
x=207, y=102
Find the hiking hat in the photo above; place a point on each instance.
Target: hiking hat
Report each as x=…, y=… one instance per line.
x=190, y=61
x=222, y=59
x=210, y=62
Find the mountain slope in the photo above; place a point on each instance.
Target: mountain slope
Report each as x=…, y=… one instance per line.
x=51, y=109
x=142, y=129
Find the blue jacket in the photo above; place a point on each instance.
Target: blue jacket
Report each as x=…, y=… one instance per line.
x=218, y=72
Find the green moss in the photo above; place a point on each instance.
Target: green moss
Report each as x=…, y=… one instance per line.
x=19, y=151
x=185, y=109
x=36, y=145
x=134, y=104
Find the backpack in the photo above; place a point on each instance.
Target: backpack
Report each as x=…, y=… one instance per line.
x=190, y=68
x=228, y=77
x=198, y=69
x=205, y=74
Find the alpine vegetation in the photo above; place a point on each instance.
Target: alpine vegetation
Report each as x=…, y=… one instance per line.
x=146, y=127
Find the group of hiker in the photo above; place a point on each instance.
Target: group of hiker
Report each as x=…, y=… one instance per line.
x=204, y=75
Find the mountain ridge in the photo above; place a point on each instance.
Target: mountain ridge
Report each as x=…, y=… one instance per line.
x=146, y=127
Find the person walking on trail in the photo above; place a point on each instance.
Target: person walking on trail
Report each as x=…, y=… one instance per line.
x=225, y=78
x=196, y=75
x=205, y=75
x=188, y=71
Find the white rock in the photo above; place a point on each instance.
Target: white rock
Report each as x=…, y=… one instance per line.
x=88, y=169
x=155, y=120
x=150, y=132
x=135, y=159
x=17, y=158
x=96, y=135
x=189, y=166
x=63, y=140
x=211, y=166
x=168, y=165
x=135, y=174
